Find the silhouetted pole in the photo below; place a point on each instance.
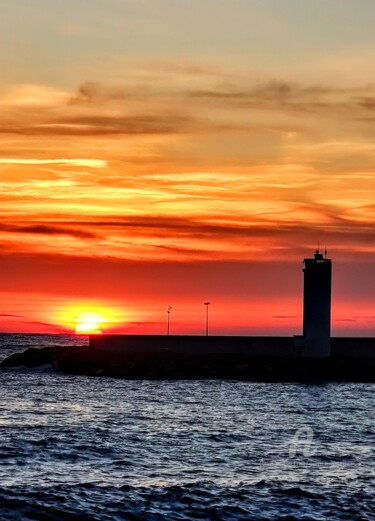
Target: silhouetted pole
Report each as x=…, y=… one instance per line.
x=207, y=304
x=168, y=318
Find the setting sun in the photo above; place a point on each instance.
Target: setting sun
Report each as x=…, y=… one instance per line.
x=89, y=324
x=90, y=318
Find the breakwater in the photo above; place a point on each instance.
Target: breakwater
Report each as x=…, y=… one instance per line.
x=185, y=359
x=252, y=346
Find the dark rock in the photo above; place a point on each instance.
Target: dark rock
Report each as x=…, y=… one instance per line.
x=32, y=357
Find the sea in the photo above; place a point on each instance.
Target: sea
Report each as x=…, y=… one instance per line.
x=98, y=448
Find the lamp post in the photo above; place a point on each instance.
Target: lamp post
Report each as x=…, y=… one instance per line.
x=207, y=304
x=168, y=318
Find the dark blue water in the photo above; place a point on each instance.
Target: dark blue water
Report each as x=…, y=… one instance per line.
x=103, y=449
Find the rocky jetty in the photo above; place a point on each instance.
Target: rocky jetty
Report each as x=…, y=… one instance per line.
x=31, y=358
x=173, y=366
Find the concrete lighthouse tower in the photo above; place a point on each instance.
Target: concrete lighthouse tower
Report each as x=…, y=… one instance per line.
x=317, y=306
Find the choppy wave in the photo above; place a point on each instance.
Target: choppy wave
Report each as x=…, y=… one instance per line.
x=200, y=500
x=101, y=449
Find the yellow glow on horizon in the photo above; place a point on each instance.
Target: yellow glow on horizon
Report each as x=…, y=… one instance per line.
x=89, y=318
x=89, y=323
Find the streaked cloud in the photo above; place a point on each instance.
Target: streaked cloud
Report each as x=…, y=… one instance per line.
x=286, y=96
x=90, y=92
x=89, y=163
x=33, y=95
x=43, y=229
x=104, y=126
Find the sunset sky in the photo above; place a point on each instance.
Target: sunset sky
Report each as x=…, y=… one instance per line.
x=159, y=152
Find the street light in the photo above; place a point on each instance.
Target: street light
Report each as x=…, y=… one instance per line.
x=207, y=304
x=168, y=318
